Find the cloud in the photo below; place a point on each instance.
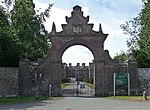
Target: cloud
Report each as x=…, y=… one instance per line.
x=110, y=14
x=57, y=15
x=116, y=42
x=74, y=54
x=77, y=54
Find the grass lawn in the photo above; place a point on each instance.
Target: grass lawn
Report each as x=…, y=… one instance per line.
x=132, y=98
x=89, y=85
x=14, y=100
x=63, y=85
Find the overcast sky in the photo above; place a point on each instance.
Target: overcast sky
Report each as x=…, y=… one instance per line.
x=110, y=13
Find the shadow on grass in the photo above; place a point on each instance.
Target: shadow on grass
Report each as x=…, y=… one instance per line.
x=14, y=103
x=13, y=100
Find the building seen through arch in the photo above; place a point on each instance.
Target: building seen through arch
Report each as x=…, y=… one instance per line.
x=48, y=71
x=79, y=72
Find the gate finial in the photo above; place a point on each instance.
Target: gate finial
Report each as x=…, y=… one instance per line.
x=100, y=28
x=53, y=28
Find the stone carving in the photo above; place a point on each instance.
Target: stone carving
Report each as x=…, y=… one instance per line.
x=76, y=24
x=77, y=29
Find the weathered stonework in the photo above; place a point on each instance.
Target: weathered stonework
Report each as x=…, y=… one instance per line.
x=144, y=80
x=8, y=81
x=77, y=31
x=44, y=75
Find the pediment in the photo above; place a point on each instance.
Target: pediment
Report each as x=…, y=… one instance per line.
x=77, y=24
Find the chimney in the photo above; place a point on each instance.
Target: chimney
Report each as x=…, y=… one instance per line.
x=83, y=64
x=70, y=64
x=78, y=64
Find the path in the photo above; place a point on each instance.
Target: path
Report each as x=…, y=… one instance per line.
x=80, y=103
x=71, y=90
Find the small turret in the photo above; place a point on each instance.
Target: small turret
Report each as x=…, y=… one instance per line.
x=78, y=64
x=70, y=64
x=83, y=64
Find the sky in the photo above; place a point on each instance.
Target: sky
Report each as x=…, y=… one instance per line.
x=110, y=13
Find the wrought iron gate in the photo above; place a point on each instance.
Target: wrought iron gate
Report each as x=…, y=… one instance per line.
x=77, y=89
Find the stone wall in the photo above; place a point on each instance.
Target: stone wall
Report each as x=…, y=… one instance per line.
x=144, y=79
x=8, y=81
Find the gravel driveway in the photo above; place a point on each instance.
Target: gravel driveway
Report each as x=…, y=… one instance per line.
x=79, y=103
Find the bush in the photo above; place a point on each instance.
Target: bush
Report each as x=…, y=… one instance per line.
x=66, y=80
x=88, y=80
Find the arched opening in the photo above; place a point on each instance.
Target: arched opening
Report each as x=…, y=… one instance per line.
x=77, y=31
x=77, y=54
x=77, y=71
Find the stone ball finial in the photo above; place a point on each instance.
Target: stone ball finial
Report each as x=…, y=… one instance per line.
x=131, y=58
x=77, y=8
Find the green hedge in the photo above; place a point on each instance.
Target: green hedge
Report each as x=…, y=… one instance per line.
x=88, y=80
x=65, y=80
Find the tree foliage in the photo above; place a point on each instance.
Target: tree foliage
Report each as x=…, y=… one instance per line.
x=22, y=30
x=139, y=29
x=121, y=57
x=8, y=48
x=144, y=36
x=132, y=28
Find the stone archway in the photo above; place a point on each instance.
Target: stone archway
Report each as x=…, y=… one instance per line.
x=77, y=31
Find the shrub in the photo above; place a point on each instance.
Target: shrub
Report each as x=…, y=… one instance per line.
x=88, y=80
x=66, y=80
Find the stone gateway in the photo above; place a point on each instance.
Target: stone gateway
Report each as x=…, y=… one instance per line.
x=37, y=77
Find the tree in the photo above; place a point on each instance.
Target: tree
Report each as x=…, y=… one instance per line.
x=121, y=57
x=139, y=29
x=144, y=36
x=22, y=29
x=8, y=48
x=132, y=28
x=29, y=28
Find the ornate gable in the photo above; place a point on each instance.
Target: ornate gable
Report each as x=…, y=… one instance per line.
x=77, y=24
x=77, y=17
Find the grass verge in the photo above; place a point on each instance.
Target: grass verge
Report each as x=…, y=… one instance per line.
x=14, y=100
x=132, y=98
x=89, y=85
x=63, y=85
